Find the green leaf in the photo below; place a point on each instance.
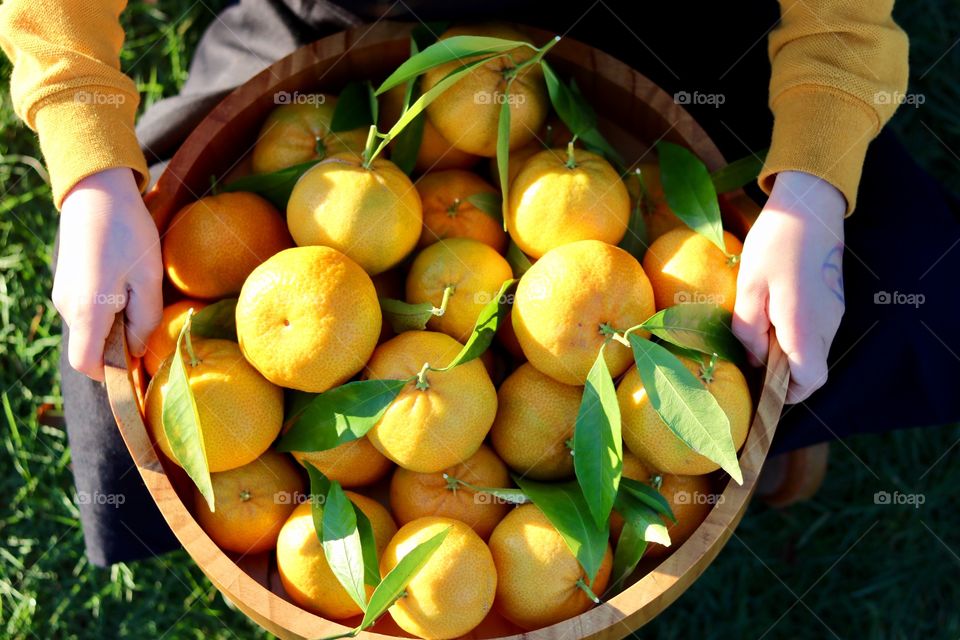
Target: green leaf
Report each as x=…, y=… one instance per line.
x=566, y=508
x=689, y=191
x=630, y=548
x=485, y=328
x=569, y=103
x=424, y=100
x=594, y=141
x=274, y=186
x=700, y=327
x=371, y=566
x=738, y=173
x=217, y=320
x=181, y=420
x=635, y=241
x=356, y=108
x=645, y=494
x=489, y=202
x=448, y=50
x=319, y=488
x=406, y=146
x=340, y=415
x=641, y=524
x=341, y=544
x=517, y=259
x=512, y=496
x=597, y=442
x=503, y=152
x=649, y=520
x=686, y=407
x=394, y=583
x=404, y=316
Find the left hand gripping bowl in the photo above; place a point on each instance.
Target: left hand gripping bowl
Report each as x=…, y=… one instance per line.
x=634, y=112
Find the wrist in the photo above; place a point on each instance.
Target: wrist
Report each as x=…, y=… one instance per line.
x=807, y=196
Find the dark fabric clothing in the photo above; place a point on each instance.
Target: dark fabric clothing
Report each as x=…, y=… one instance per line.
x=899, y=240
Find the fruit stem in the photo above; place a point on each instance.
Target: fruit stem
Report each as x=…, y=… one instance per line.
x=422, y=383
x=732, y=259
x=368, y=151
x=542, y=51
x=587, y=590
x=656, y=481
x=320, y=148
x=571, y=158
x=706, y=370
x=452, y=209
x=442, y=309
x=613, y=334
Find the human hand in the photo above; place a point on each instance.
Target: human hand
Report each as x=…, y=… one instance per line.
x=108, y=261
x=791, y=277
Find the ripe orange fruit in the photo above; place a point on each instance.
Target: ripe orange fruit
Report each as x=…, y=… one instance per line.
x=690, y=497
x=535, y=417
x=439, y=423
x=647, y=436
x=448, y=212
x=303, y=567
x=467, y=114
x=416, y=495
x=213, y=244
x=537, y=573
x=352, y=464
x=474, y=270
x=683, y=267
x=553, y=203
x=308, y=318
x=300, y=132
x=564, y=299
x=252, y=502
x=657, y=214
x=372, y=215
x=435, y=152
x=453, y=592
x=163, y=341
x=240, y=412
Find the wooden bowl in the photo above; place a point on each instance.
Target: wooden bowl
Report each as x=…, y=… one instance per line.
x=643, y=114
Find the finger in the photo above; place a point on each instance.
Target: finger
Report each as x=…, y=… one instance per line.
x=88, y=334
x=144, y=310
x=751, y=325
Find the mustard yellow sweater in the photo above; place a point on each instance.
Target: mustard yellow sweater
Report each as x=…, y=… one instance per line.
x=838, y=68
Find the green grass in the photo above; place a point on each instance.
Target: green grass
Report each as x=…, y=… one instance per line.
x=859, y=569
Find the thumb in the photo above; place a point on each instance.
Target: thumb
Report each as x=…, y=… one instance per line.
x=751, y=324
x=144, y=310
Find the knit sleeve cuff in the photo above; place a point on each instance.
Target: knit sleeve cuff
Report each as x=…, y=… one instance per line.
x=86, y=130
x=822, y=132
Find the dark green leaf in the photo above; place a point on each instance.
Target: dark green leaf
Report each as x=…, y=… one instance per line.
x=406, y=146
x=569, y=104
x=485, y=327
x=513, y=496
x=684, y=404
x=641, y=525
x=597, y=442
x=394, y=583
x=275, y=186
x=355, y=108
x=340, y=415
x=689, y=191
x=404, y=316
x=641, y=513
x=319, y=488
x=635, y=240
x=518, y=260
x=701, y=327
x=217, y=320
x=448, y=50
x=630, y=548
x=371, y=566
x=566, y=508
x=426, y=33
x=181, y=421
x=594, y=141
x=738, y=173
x=490, y=203
x=503, y=152
x=647, y=495
x=341, y=544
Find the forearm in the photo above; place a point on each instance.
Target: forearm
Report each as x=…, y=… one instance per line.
x=839, y=69
x=67, y=85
